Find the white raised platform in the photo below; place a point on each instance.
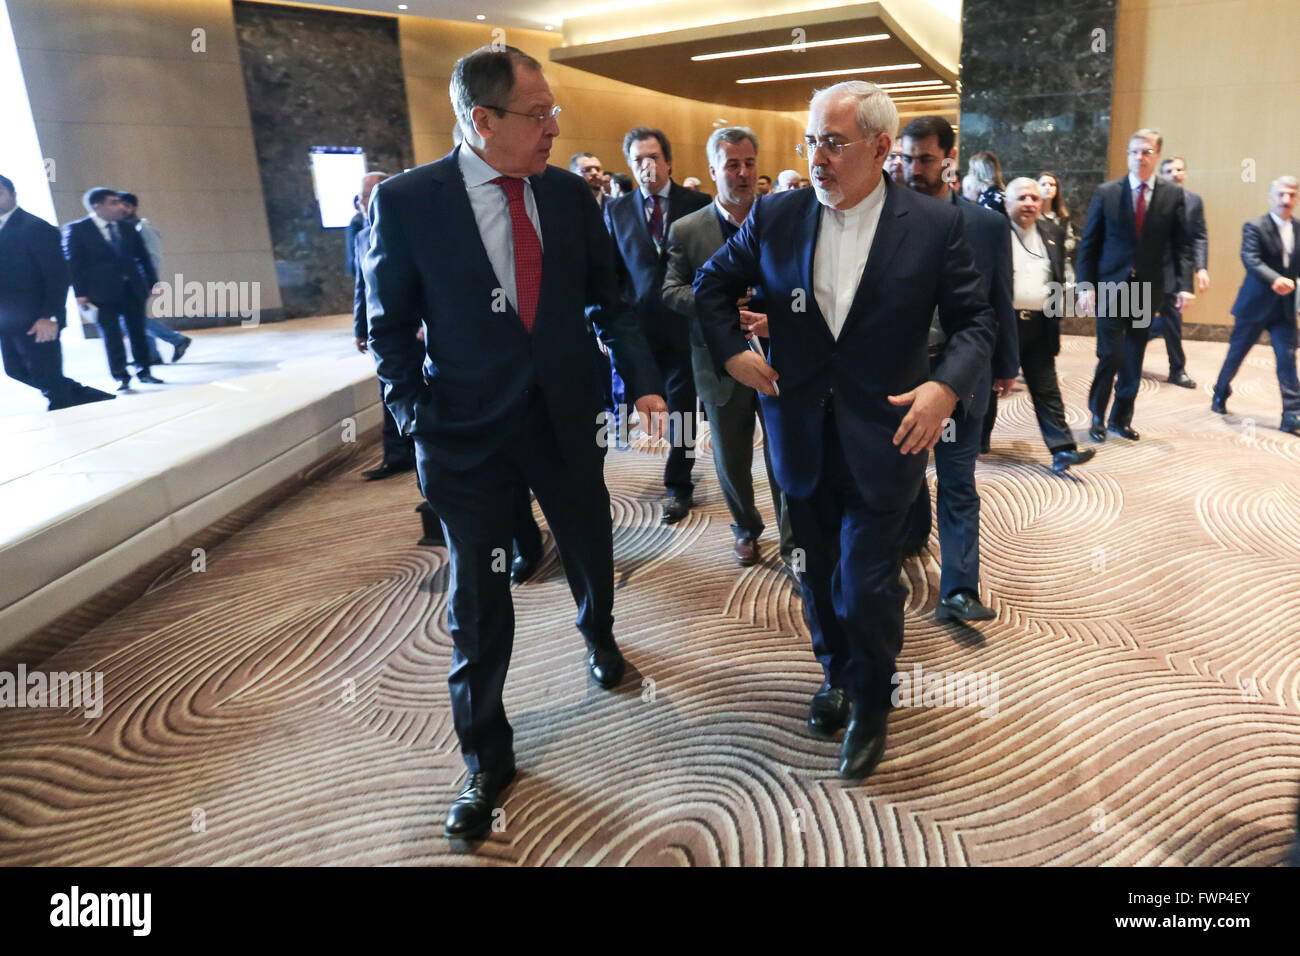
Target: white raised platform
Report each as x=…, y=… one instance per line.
x=91, y=494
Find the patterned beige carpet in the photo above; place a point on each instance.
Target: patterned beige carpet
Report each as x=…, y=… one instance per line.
x=1139, y=690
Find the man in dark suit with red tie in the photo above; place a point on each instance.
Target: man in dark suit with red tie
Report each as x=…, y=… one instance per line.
x=112, y=270
x=639, y=223
x=852, y=272
x=507, y=262
x=1132, y=223
x=1267, y=299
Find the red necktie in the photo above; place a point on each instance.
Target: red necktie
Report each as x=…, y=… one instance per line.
x=1140, y=213
x=657, y=220
x=528, y=251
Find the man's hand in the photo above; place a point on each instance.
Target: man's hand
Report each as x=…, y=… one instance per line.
x=1283, y=286
x=932, y=403
x=1185, y=299
x=419, y=333
x=1002, y=386
x=362, y=345
x=749, y=368
x=44, y=330
x=1086, y=302
x=156, y=290
x=754, y=323
x=1202, y=280
x=654, y=415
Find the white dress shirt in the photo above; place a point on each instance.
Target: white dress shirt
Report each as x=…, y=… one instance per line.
x=103, y=228
x=1031, y=269
x=4, y=217
x=492, y=214
x=1287, y=232
x=726, y=216
x=843, y=243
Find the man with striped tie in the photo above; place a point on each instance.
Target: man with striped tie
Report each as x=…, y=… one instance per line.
x=639, y=223
x=507, y=263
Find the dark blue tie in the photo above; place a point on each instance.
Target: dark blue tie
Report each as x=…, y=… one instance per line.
x=115, y=239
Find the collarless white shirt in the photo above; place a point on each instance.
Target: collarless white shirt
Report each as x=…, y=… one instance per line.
x=492, y=214
x=1031, y=269
x=1133, y=188
x=1286, y=230
x=843, y=244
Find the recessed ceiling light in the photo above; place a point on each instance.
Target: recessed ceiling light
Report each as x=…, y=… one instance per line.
x=911, y=83
x=787, y=47
x=402, y=6
x=810, y=76
x=550, y=26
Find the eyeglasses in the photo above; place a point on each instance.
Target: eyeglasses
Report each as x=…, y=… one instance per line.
x=808, y=148
x=1147, y=151
x=552, y=113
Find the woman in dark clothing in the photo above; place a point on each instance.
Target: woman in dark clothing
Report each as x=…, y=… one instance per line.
x=986, y=168
x=1054, y=208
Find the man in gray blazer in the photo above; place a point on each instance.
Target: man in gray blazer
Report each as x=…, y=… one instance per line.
x=730, y=407
x=1170, y=318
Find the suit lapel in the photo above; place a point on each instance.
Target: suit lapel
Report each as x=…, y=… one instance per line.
x=1126, y=213
x=805, y=236
x=551, y=217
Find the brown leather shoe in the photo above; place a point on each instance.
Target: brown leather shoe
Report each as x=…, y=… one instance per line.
x=745, y=552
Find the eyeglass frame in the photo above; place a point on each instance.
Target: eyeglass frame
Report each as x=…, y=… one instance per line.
x=832, y=148
x=553, y=113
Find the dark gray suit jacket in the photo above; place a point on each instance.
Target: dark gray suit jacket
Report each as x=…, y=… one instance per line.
x=692, y=241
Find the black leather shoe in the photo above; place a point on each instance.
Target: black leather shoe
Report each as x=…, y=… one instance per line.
x=1291, y=427
x=1182, y=380
x=864, y=742
x=150, y=378
x=179, y=351
x=1219, y=405
x=470, y=816
x=964, y=606
x=386, y=470
x=605, y=662
x=1063, y=459
x=124, y=385
x=677, y=508
x=829, y=711
x=1124, y=431
x=522, y=568
x=1097, y=430
x=84, y=395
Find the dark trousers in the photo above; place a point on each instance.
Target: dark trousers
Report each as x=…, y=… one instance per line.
x=478, y=509
x=111, y=319
x=852, y=598
x=1121, y=346
x=679, y=383
x=1170, y=324
x=732, y=434
x=1038, y=363
x=155, y=330
x=1281, y=328
x=399, y=449
x=958, y=502
x=38, y=364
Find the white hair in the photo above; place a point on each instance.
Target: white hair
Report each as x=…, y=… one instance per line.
x=1289, y=181
x=787, y=176
x=1020, y=182
x=876, y=112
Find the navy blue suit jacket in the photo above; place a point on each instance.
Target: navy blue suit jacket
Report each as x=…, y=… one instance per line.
x=360, y=325
x=33, y=273
x=1261, y=253
x=1111, y=250
x=988, y=233
x=473, y=377
x=919, y=261
x=100, y=274
x=641, y=267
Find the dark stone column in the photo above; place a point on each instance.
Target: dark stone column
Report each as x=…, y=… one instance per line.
x=1036, y=89
x=318, y=78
